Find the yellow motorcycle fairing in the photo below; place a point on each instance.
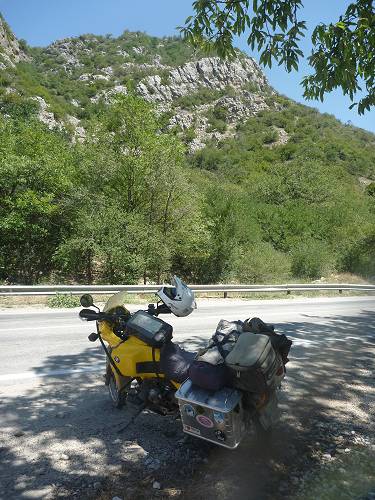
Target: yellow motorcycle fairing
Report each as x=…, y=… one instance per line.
x=134, y=358
x=130, y=353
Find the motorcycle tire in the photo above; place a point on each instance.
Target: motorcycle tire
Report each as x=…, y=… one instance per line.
x=118, y=397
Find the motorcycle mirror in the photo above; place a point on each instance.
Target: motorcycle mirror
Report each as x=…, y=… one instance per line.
x=86, y=300
x=88, y=315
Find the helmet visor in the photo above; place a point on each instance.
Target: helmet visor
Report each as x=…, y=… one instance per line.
x=170, y=292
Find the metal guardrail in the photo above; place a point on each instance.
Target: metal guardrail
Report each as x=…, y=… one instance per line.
x=14, y=290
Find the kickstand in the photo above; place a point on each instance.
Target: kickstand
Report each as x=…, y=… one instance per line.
x=131, y=421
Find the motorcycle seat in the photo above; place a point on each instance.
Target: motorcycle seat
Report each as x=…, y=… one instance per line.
x=175, y=362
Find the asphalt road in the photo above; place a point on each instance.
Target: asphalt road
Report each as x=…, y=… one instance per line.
x=31, y=339
x=59, y=436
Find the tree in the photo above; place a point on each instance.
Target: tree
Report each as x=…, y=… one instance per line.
x=138, y=218
x=342, y=55
x=35, y=182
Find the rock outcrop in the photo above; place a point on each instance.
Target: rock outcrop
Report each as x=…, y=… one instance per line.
x=108, y=95
x=214, y=74
x=46, y=116
x=10, y=50
x=210, y=72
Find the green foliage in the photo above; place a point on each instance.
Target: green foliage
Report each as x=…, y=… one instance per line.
x=61, y=300
x=269, y=137
x=259, y=262
x=310, y=260
x=137, y=229
x=189, y=135
x=341, y=55
x=129, y=205
x=35, y=178
x=203, y=95
x=301, y=200
x=18, y=107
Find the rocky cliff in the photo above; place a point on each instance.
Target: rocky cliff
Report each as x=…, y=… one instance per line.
x=212, y=73
x=10, y=50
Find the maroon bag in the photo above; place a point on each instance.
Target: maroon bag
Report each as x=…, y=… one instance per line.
x=210, y=377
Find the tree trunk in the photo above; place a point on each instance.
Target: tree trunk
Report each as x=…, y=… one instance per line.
x=89, y=270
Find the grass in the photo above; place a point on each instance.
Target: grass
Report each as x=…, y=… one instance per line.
x=66, y=300
x=351, y=477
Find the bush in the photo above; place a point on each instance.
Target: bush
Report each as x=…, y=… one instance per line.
x=203, y=95
x=370, y=190
x=63, y=300
x=269, y=137
x=259, y=263
x=189, y=134
x=217, y=125
x=18, y=107
x=220, y=113
x=310, y=260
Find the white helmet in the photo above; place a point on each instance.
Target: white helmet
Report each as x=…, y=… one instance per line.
x=179, y=298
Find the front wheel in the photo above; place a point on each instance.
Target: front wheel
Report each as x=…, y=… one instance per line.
x=116, y=394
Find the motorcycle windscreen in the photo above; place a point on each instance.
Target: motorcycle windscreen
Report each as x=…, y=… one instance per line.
x=117, y=300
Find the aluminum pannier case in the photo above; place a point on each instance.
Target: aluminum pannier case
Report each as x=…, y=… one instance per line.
x=215, y=416
x=255, y=364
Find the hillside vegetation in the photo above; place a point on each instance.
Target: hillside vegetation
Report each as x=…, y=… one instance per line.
x=146, y=170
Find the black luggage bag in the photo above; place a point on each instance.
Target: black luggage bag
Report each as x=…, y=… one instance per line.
x=254, y=363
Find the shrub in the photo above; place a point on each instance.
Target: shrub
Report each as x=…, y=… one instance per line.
x=310, y=260
x=217, y=125
x=189, y=134
x=269, y=137
x=259, y=263
x=370, y=190
x=202, y=96
x=63, y=300
x=18, y=107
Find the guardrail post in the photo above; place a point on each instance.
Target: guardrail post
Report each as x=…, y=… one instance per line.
x=225, y=295
x=340, y=291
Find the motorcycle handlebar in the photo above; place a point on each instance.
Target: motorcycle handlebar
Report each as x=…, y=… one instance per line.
x=90, y=315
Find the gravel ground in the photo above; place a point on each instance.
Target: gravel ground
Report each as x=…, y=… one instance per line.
x=61, y=439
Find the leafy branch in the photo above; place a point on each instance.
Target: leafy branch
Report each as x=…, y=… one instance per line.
x=343, y=53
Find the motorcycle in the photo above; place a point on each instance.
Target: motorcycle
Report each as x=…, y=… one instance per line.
x=146, y=369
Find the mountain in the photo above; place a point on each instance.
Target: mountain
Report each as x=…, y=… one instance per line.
x=282, y=191
x=203, y=98
x=78, y=75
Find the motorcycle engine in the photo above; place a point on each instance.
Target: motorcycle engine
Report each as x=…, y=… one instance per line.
x=156, y=395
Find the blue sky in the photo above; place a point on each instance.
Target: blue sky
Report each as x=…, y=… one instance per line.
x=40, y=22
